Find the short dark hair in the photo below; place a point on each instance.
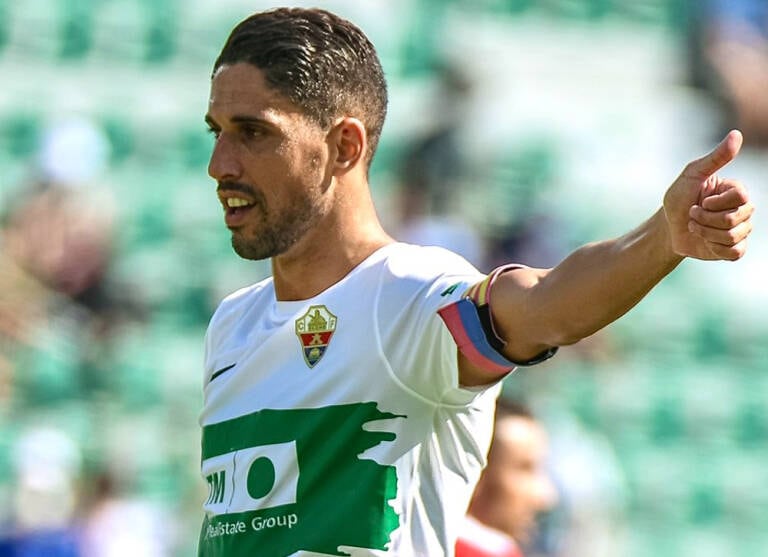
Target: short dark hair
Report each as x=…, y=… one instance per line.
x=513, y=408
x=322, y=63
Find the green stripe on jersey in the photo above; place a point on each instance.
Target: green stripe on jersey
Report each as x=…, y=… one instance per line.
x=281, y=481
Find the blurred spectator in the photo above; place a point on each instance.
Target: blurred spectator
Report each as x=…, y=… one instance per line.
x=729, y=55
x=118, y=525
x=513, y=489
x=531, y=241
x=56, y=247
x=63, y=239
x=47, y=465
x=22, y=302
x=433, y=171
x=435, y=163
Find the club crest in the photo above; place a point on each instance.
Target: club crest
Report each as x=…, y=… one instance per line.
x=315, y=329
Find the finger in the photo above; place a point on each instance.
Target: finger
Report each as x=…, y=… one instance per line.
x=727, y=197
x=716, y=159
x=728, y=238
x=723, y=220
x=729, y=253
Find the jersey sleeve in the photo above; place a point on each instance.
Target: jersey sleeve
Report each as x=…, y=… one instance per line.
x=416, y=340
x=432, y=305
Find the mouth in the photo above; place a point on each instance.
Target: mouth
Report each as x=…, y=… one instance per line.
x=236, y=210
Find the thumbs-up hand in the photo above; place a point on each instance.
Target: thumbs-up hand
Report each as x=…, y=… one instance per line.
x=709, y=217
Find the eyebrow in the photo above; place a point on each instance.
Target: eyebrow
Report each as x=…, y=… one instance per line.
x=240, y=119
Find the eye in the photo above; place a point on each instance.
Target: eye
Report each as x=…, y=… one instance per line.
x=251, y=132
x=213, y=131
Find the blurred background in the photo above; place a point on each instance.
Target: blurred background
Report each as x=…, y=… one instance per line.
x=518, y=130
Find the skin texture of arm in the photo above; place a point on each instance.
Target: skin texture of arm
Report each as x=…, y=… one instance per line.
x=703, y=216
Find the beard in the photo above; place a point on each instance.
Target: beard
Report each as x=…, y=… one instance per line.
x=277, y=233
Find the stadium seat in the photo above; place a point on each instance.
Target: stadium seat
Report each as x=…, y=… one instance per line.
x=117, y=33
x=160, y=31
x=76, y=29
x=751, y=425
x=21, y=134
x=51, y=371
x=705, y=503
x=419, y=48
x=4, y=24
x=194, y=148
x=117, y=129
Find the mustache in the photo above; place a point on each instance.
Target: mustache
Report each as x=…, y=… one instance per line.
x=238, y=186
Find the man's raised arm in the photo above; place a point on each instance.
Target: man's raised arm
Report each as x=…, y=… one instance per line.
x=703, y=216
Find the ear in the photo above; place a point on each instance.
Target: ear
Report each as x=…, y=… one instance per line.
x=350, y=140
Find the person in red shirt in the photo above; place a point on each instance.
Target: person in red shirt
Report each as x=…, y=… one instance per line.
x=513, y=489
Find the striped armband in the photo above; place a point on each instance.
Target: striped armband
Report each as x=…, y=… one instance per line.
x=470, y=323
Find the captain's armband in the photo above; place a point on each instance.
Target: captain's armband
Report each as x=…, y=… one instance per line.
x=470, y=323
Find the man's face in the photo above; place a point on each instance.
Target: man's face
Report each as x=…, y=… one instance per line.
x=270, y=162
x=516, y=486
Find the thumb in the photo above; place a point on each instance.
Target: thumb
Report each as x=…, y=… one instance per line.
x=718, y=157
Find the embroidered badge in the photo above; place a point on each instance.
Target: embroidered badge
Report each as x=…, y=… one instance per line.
x=315, y=329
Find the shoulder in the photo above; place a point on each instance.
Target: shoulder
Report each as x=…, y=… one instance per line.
x=418, y=280
x=422, y=263
x=234, y=305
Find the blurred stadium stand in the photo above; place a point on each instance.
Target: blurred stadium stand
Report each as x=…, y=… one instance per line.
x=579, y=115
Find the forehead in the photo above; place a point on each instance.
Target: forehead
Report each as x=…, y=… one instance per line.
x=521, y=439
x=242, y=89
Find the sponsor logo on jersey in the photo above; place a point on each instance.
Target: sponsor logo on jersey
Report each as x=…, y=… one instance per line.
x=315, y=329
x=450, y=290
x=280, y=484
x=247, y=479
x=222, y=371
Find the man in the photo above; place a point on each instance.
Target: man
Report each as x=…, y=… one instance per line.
x=513, y=488
x=348, y=399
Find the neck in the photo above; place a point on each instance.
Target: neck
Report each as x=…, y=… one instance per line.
x=338, y=243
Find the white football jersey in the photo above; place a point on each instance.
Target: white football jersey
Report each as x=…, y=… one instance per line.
x=336, y=425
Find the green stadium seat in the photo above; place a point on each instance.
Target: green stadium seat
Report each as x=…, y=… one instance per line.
x=661, y=13
x=120, y=136
x=666, y=421
x=51, y=368
x=76, y=29
x=511, y=7
x=705, y=503
x=136, y=371
x=21, y=134
x=194, y=147
x=750, y=425
x=117, y=33
x=8, y=434
x=419, y=54
x=160, y=39
x=5, y=20
x=519, y=176
x=583, y=10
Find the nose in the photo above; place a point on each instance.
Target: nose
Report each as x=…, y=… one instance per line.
x=224, y=164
